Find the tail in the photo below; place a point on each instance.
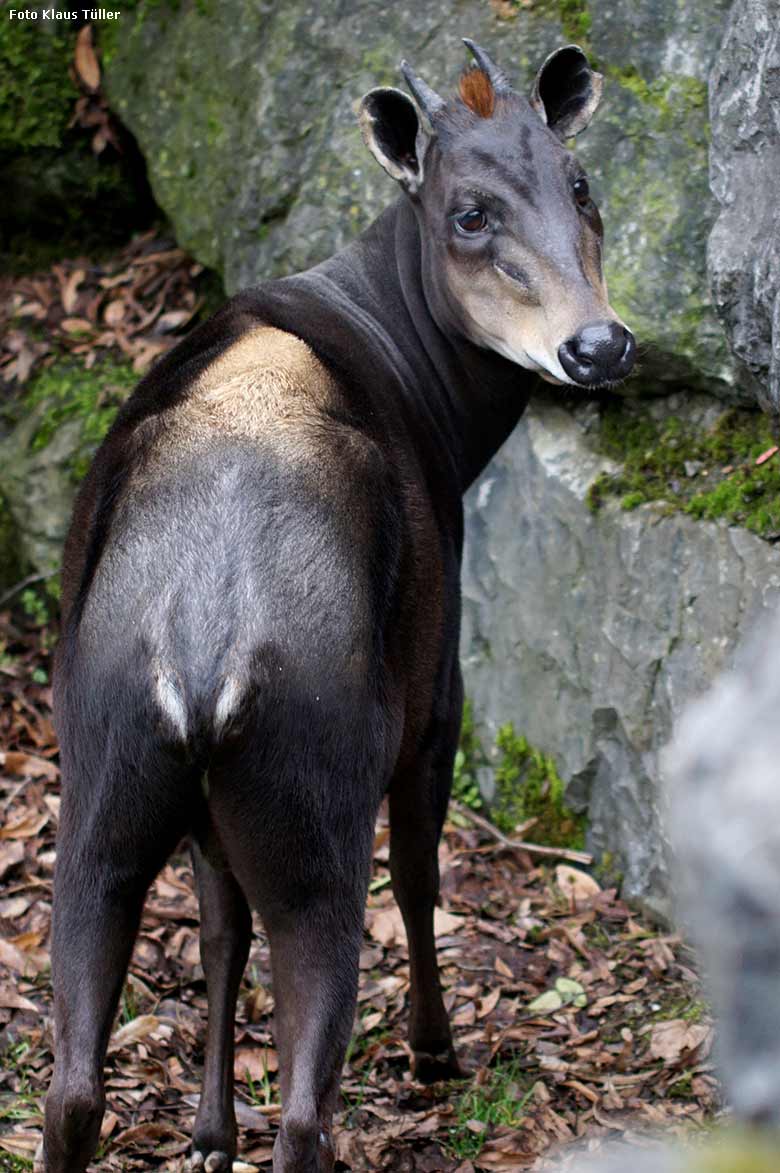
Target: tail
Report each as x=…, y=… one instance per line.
x=194, y=715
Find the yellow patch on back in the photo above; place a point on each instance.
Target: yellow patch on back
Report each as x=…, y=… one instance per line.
x=266, y=380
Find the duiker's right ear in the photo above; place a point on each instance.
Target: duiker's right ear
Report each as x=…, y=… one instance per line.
x=393, y=130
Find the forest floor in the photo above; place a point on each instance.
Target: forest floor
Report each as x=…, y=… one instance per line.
x=576, y=1019
x=618, y=1047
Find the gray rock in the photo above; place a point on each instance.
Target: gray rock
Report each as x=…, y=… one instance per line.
x=37, y=488
x=248, y=127
x=744, y=247
x=724, y=823
x=591, y=632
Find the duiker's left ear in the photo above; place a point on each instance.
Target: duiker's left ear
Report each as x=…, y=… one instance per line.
x=566, y=91
x=393, y=131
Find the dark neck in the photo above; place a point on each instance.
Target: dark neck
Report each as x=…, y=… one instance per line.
x=470, y=398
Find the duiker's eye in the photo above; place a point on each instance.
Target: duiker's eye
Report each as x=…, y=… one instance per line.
x=474, y=220
x=581, y=191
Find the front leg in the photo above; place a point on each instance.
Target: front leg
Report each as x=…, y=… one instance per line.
x=418, y=805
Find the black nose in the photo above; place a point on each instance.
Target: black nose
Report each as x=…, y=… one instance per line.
x=600, y=352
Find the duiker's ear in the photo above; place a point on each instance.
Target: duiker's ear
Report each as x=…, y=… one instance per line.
x=566, y=91
x=393, y=130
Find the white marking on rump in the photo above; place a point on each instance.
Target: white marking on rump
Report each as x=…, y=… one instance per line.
x=171, y=700
x=228, y=698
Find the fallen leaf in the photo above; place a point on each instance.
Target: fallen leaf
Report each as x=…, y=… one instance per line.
x=11, y=999
x=76, y=325
x=445, y=923
x=256, y=1063
x=86, y=62
x=28, y=824
x=133, y=1031
x=547, y=1002
x=28, y=765
x=387, y=927
x=10, y=855
x=669, y=1040
x=69, y=294
x=576, y=884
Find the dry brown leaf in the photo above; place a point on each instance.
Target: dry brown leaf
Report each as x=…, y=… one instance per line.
x=20, y=1144
x=255, y=1062
x=444, y=923
x=20, y=962
x=387, y=927
x=114, y=312
x=29, y=765
x=76, y=325
x=488, y=1004
x=29, y=823
x=10, y=855
x=11, y=999
x=141, y=1133
x=69, y=294
x=669, y=1040
x=502, y=969
x=133, y=1031
x=576, y=884
x=85, y=60
x=172, y=320
x=258, y=1003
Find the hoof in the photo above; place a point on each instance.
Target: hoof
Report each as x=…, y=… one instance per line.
x=430, y=1068
x=215, y=1162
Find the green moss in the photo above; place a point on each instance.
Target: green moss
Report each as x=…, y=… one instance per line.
x=60, y=198
x=671, y=94
x=574, y=19
x=675, y=1006
x=708, y=474
x=607, y=872
x=465, y=787
x=65, y=392
x=36, y=91
x=500, y=1100
x=576, y=22
x=528, y=786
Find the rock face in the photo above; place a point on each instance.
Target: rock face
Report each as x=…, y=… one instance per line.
x=248, y=127
x=724, y=823
x=744, y=247
x=590, y=632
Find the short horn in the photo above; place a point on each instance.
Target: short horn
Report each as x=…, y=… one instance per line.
x=498, y=78
x=427, y=99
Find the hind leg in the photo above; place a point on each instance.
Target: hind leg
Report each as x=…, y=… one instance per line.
x=300, y=847
x=315, y=966
x=225, y=935
x=116, y=830
x=418, y=805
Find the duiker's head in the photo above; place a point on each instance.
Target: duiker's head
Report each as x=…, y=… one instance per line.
x=511, y=238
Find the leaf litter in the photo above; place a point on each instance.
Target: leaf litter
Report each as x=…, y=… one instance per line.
x=575, y=1019
x=132, y=305
x=597, y=1017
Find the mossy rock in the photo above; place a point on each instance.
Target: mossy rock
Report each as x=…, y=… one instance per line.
x=260, y=165
x=59, y=197
x=705, y=466
x=61, y=419
x=524, y=784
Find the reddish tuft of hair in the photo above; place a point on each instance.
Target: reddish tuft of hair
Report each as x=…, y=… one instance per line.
x=476, y=90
